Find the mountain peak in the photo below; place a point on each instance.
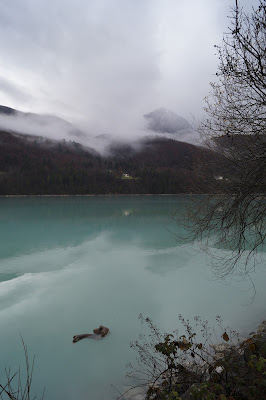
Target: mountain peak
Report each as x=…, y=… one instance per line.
x=163, y=120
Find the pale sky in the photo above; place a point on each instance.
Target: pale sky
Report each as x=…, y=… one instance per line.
x=105, y=63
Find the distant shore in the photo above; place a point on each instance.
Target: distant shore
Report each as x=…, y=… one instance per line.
x=104, y=195
x=117, y=195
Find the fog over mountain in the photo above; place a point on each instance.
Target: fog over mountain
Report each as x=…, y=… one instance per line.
x=169, y=124
x=102, y=65
x=166, y=121
x=49, y=126
x=161, y=122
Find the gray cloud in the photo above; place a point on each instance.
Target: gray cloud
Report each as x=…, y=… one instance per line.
x=105, y=63
x=47, y=126
x=14, y=92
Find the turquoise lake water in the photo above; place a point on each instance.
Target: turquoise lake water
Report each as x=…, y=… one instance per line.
x=69, y=264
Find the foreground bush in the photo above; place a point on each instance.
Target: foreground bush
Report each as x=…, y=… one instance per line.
x=18, y=385
x=174, y=366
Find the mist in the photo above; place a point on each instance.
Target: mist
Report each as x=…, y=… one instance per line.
x=102, y=65
x=57, y=129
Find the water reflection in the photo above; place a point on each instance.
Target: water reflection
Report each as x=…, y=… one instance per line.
x=74, y=264
x=165, y=261
x=30, y=224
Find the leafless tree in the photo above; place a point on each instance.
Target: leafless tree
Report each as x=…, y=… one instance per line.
x=234, y=218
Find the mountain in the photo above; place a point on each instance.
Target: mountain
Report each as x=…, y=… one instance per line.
x=166, y=121
x=33, y=162
x=162, y=122
x=31, y=123
x=35, y=165
x=7, y=110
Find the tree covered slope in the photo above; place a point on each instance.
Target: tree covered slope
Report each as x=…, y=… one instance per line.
x=36, y=165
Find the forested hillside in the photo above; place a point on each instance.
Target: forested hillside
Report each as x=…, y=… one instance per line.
x=35, y=165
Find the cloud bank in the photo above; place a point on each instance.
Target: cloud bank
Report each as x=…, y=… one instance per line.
x=102, y=64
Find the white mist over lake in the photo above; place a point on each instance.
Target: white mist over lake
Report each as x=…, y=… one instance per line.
x=69, y=264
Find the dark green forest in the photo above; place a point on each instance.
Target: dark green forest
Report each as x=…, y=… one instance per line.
x=36, y=166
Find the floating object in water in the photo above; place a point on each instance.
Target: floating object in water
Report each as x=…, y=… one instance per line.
x=98, y=333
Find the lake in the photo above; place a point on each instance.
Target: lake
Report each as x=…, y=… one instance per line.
x=69, y=264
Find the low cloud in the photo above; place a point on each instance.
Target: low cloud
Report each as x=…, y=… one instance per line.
x=103, y=64
x=46, y=126
x=55, y=128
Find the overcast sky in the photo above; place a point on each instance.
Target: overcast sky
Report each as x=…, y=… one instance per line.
x=107, y=62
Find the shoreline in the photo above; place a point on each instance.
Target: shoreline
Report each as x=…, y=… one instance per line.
x=107, y=195
x=115, y=195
